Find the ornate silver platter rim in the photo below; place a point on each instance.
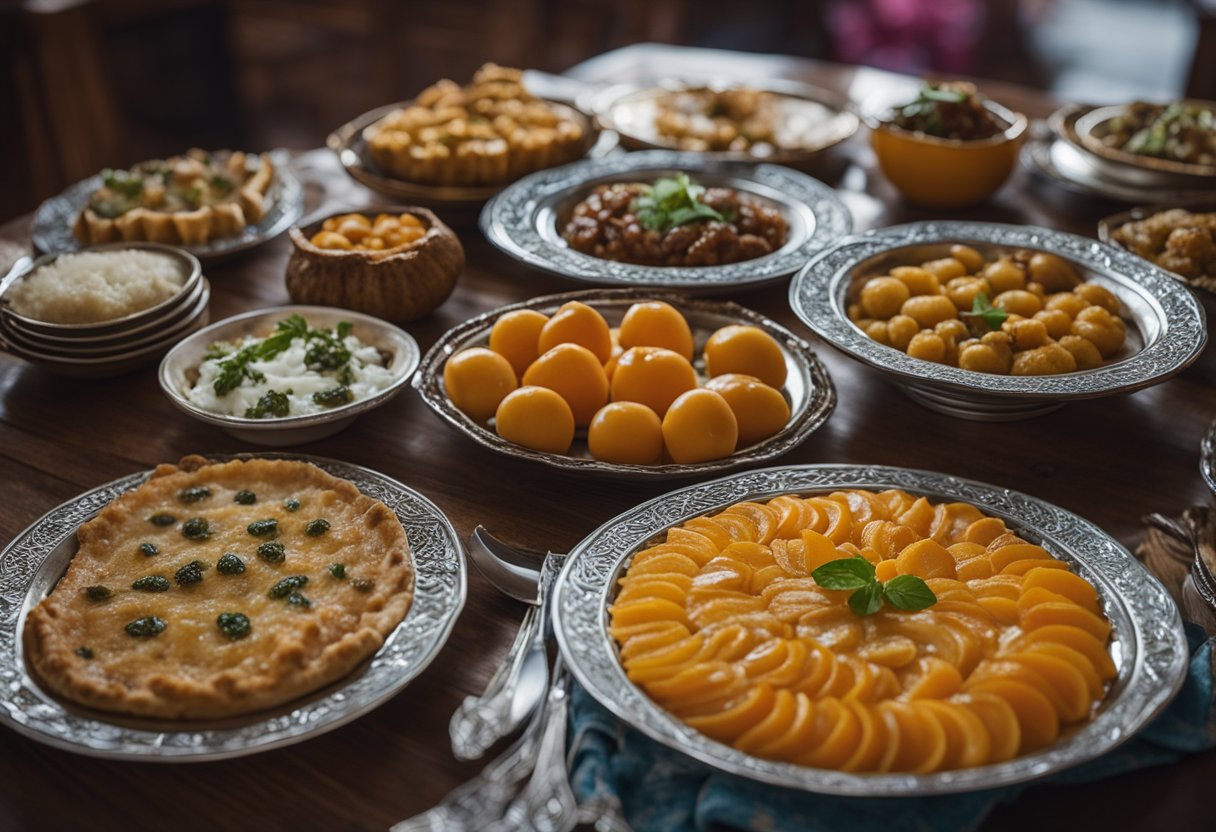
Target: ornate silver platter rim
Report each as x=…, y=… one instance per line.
x=1207, y=457
x=1150, y=648
x=512, y=221
x=52, y=228
x=817, y=296
x=439, y=596
x=805, y=418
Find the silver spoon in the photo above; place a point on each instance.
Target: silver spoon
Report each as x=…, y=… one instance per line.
x=518, y=686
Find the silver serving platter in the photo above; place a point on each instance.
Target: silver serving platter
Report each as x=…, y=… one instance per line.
x=525, y=220
x=179, y=371
x=1093, y=124
x=52, y=229
x=808, y=388
x=32, y=564
x=1148, y=647
x=1166, y=325
x=349, y=142
x=811, y=119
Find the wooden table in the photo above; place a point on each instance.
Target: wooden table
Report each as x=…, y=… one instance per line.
x=1110, y=460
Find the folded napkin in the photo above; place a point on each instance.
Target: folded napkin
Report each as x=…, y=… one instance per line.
x=660, y=790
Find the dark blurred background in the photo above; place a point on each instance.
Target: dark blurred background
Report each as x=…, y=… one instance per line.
x=87, y=84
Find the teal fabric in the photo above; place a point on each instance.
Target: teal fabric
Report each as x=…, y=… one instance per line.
x=662, y=791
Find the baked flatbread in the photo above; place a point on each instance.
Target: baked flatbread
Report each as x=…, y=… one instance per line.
x=147, y=620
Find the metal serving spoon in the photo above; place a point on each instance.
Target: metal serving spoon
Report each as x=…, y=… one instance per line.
x=518, y=686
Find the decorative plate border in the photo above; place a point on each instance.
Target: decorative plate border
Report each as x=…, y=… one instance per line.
x=52, y=229
x=511, y=221
x=439, y=595
x=820, y=399
x=817, y=296
x=1150, y=646
x=1207, y=457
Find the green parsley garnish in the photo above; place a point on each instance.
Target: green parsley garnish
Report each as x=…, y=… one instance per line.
x=983, y=310
x=671, y=202
x=235, y=625
x=229, y=564
x=317, y=527
x=904, y=592
x=196, y=528
x=272, y=403
x=245, y=498
x=145, y=627
x=338, y=570
x=272, y=552
x=151, y=583
x=193, y=495
x=333, y=398
x=287, y=585
x=264, y=528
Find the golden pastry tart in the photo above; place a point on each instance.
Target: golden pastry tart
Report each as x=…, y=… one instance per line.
x=487, y=133
x=728, y=625
x=218, y=589
x=183, y=200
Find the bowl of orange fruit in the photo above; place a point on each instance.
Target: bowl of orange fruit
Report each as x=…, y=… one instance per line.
x=628, y=382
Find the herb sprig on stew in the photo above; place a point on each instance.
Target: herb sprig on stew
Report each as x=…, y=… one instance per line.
x=672, y=201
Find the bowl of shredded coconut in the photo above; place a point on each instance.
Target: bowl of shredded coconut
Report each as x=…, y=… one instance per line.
x=101, y=290
x=288, y=375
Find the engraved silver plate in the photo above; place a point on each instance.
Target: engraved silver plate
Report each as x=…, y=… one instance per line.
x=32, y=564
x=1149, y=647
x=1166, y=325
x=53, y=221
x=1207, y=458
x=524, y=220
x=808, y=388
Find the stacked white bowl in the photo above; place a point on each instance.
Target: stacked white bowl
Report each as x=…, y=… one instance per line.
x=112, y=347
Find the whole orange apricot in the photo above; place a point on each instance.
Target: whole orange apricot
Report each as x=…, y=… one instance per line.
x=656, y=324
x=514, y=336
x=476, y=381
x=745, y=349
x=653, y=376
x=577, y=323
x=537, y=418
x=760, y=410
x=700, y=426
x=626, y=432
x=576, y=375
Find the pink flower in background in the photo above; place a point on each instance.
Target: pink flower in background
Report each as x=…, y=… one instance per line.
x=913, y=36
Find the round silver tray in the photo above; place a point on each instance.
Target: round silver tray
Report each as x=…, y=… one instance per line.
x=524, y=220
x=52, y=229
x=35, y=560
x=1149, y=647
x=808, y=388
x=349, y=142
x=814, y=119
x=179, y=371
x=1092, y=123
x=1164, y=318
x=1067, y=166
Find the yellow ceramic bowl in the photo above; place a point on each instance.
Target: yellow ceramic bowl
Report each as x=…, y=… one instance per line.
x=948, y=173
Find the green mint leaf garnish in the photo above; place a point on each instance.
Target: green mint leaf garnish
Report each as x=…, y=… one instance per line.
x=982, y=309
x=846, y=573
x=672, y=201
x=908, y=592
x=903, y=592
x=867, y=600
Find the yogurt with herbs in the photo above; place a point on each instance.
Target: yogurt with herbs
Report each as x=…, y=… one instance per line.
x=294, y=371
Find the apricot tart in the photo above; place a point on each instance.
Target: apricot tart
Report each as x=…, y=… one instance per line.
x=218, y=589
x=398, y=266
x=490, y=132
x=189, y=200
x=954, y=644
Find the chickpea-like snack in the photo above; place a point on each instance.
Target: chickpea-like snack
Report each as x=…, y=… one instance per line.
x=883, y=297
x=1026, y=312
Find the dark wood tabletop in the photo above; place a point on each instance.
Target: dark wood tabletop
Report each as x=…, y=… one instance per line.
x=1110, y=460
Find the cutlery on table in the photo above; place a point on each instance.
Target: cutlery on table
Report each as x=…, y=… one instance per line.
x=518, y=685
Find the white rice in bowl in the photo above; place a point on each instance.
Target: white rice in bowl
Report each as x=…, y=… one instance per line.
x=96, y=286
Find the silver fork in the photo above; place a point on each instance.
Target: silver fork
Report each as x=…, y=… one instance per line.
x=517, y=686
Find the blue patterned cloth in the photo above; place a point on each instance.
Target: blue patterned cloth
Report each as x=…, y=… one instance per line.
x=662, y=791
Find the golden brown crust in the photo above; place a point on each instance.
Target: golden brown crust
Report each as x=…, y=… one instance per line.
x=192, y=669
x=195, y=227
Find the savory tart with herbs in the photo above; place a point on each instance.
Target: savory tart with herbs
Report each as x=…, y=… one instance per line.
x=190, y=199
x=218, y=589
